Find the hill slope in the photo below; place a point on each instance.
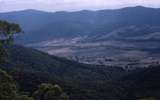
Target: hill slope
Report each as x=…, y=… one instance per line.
x=81, y=81
x=143, y=83
x=31, y=67
x=33, y=60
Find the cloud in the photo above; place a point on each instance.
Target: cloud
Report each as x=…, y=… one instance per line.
x=72, y=5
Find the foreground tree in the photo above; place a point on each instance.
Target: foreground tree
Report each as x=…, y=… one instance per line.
x=8, y=90
x=7, y=31
x=7, y=87
x=49, y=92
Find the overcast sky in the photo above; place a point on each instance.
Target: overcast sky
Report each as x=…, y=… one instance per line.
x=72, y=5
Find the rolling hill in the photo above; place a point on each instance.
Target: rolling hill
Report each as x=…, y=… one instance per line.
x=30, y=67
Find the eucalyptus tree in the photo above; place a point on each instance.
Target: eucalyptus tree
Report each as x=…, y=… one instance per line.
x=7, y=32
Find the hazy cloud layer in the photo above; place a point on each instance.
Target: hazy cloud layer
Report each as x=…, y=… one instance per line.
x=72, y=5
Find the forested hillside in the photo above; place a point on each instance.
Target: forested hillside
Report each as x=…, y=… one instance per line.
x=31, y=67
x=81, y=81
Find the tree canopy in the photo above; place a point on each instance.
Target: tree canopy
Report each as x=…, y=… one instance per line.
x=7, y=30
x=49, y=92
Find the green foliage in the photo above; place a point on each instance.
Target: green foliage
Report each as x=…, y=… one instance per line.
x=8, y=90
x=7, y=30
x=7, y=87
x=49, y=92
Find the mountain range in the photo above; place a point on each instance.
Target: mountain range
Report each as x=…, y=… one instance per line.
x=127, y=37
x=48, y=25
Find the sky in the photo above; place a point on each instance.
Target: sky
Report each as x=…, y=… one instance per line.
x=72, y=5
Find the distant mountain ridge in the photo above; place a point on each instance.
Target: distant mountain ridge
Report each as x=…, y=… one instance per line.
x=40, y=26
x=127, y=36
